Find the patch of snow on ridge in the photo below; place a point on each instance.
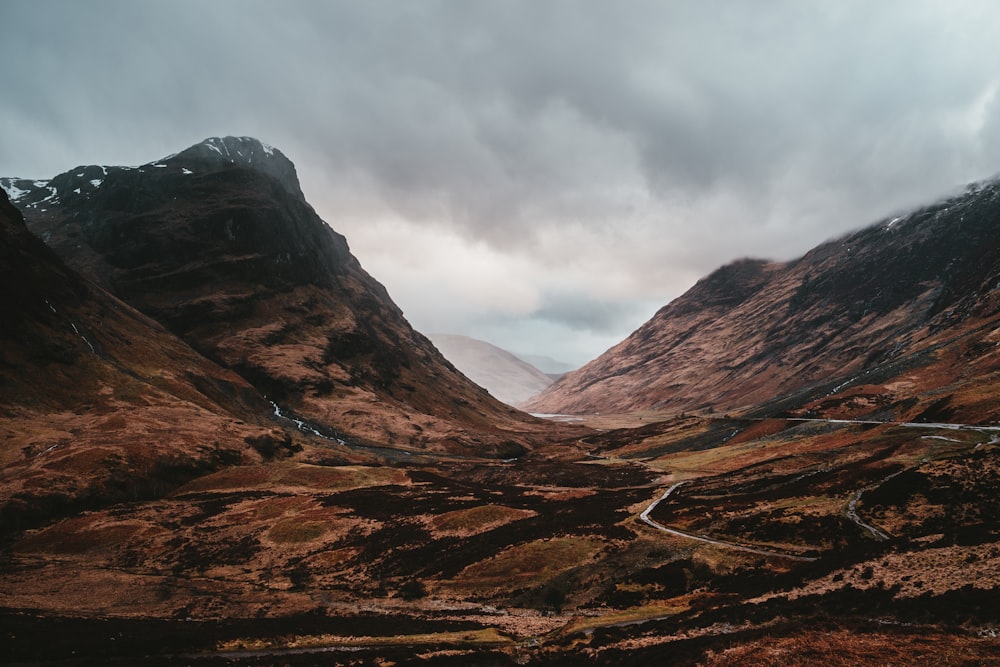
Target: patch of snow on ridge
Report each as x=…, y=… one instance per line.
x=96, y=182
x=13, y=192
x=186, y=171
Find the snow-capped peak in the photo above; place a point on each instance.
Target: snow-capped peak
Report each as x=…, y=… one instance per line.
x=244, y=152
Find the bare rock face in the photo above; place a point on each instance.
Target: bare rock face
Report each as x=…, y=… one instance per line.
x=248, y=153
x=218, y=244
x=908, y=306
x=505, y=376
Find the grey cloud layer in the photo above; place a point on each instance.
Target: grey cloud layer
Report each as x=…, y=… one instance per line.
x=655, y=140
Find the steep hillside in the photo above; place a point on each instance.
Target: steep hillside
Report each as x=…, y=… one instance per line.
x=506, y=377
x=98, y=403
x=218, y=244
x=898, y=320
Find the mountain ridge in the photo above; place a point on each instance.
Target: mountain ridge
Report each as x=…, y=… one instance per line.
x=227, y=256
x=753, y=331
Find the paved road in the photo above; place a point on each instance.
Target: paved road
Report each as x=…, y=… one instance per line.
x=852, y=511
x=944, y=425
x=708, y=540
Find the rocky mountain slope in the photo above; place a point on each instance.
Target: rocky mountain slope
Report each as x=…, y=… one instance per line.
x=508, y=378
x=898, y=320
x=99, y=403
x=217, y=244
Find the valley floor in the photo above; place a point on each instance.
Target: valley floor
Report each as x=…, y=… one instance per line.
x=695, y=540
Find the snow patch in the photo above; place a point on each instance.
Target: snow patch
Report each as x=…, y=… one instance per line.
x=186, y=171
x=13, y=192
x=96, y=182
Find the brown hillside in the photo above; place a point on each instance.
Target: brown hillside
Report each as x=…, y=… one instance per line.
x=885, y=322
x=98, y=403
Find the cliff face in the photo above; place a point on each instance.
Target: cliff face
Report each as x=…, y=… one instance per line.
x=218, y=244
x=907, y=306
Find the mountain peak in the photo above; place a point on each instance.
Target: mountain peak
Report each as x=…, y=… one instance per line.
x=246, y=152
x=507, y=377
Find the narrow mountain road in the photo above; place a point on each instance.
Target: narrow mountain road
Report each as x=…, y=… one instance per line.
x=941, y=425
x=852, y=508
x=708, y=540
x=850, y=512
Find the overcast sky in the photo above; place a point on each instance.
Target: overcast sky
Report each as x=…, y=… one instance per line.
x=541, y=175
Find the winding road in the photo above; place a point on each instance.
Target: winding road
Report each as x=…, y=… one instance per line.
x=852, y=508
x=708, y=540
x=851, y=511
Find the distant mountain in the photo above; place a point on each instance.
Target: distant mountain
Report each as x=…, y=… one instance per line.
x=898, y=320
x=508, y=378
x=551, y=367
x=218, y=244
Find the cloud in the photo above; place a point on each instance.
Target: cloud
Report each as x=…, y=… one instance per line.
x=532, y=170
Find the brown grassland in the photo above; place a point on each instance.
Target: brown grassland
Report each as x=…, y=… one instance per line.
x=544, y=558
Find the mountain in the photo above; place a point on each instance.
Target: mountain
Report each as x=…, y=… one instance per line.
x=508, y=378
x=157, y=505
x=99, y=403
x=898, y=320
x=218, y=245
x=551, y=367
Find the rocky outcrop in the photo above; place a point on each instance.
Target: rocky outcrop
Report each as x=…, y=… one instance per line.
x=912, y=299
x=248, y=153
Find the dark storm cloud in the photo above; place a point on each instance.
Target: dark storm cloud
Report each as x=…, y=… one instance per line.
x=504, y=112
x=646, y=141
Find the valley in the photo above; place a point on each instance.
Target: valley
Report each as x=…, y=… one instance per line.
x=550, y=556
x=222, y=443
